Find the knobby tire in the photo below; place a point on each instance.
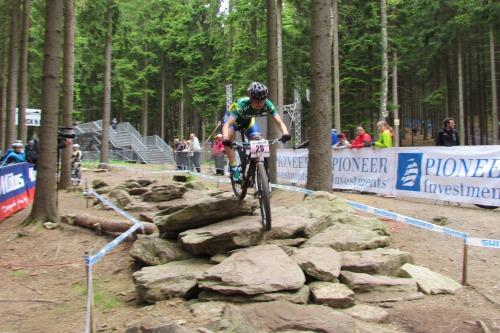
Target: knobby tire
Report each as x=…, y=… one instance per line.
x=263, y=194
x=240, y=188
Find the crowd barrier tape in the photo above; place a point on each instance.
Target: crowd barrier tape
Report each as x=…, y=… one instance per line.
x=92, y=260
x=480, y=242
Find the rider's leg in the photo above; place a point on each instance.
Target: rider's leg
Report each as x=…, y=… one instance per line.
x=253, y=131
x=229, y=150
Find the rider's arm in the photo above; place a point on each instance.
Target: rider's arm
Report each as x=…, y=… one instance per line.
x=281, y=124
x=225, y=129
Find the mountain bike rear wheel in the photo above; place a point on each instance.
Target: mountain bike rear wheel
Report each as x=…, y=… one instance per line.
x=263, y=195
x=240, y=186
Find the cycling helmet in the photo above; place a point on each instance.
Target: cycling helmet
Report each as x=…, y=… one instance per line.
x=76, y=145
x=17, y=145
x=257, y=91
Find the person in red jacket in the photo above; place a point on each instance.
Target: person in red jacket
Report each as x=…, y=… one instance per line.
x=218, y=154
x=362, y=140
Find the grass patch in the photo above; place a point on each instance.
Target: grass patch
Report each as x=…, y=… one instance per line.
x=103, y=298
x=18, y=273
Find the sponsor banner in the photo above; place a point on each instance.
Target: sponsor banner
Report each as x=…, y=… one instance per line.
x=369, y=170
x=17, y=188
x=459, y=174
x=493, y=243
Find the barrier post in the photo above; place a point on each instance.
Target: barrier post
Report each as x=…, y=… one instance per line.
x=88, y=194
x=465, y=263
x=90, y=318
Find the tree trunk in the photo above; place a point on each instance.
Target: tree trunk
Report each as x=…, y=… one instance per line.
x=162, y=106
x=101, y=225
x=319, y=168
x=336, y=64
x=44, y=206
x=272, y=78
x=3, y=72
x=145, y=100
x=68, y=60
x=385, y=62
x=181, y=116
x=10, y=126
x=23, y=86
x=395, y=96
x=494, y=97
x=106, y=114
x=461, y=119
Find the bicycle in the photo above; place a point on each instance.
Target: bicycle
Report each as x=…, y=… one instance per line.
x=254, y=172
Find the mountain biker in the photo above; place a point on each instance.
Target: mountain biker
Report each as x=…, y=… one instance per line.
x=16, y=154
x=241, y=116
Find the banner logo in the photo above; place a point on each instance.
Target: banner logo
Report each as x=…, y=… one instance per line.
x=409, y=171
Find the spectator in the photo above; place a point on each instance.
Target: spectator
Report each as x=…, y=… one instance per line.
x=180, y=155
x=385, y=139
x=448, y=136
x=218, y=155
x=16, y=155
x=188, y=156
x=10, y=150
x=342, y=142
x=335, y=139
x=114, y=123
x=31, y=152
x=196, y=150
x=362, y=140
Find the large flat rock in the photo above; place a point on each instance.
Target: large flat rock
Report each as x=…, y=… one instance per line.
x=245, y=231
x=323, y=206
x=282, y=316
x=346, y=237
x=430, y=282
x=174, y=279
x=361, y=282
x=368, y=313
x=164, y=192
x=381, y=261
x=388, y=296
x=152, y=250
x=238, y=232
x=365, y=222
x=256, y=270
x=321, y=263
x=300, y=296
x=335, y=295
x=203, y=213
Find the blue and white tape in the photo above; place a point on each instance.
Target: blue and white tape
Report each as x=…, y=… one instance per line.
x=407, y=220
x=293, y=188
x=91, y=260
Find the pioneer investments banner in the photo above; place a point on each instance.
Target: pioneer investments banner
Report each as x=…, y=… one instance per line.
x=17, y=188
x=460, y=174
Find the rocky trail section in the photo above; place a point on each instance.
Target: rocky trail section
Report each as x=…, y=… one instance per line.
x=315, y=270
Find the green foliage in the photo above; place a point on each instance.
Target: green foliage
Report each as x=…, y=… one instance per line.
x=194, y=41
x=103, y=298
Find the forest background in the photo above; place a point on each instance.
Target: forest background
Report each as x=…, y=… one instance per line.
x=191, y=49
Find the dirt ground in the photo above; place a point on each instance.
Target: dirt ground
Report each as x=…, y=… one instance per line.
x=43, y=275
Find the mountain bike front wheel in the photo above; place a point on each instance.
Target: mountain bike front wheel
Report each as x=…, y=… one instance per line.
x=263, y=193
x=240, y=186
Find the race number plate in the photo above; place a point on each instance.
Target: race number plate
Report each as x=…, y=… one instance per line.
x=259, y=148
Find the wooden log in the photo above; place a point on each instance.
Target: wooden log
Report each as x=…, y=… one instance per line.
x=101, y=225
